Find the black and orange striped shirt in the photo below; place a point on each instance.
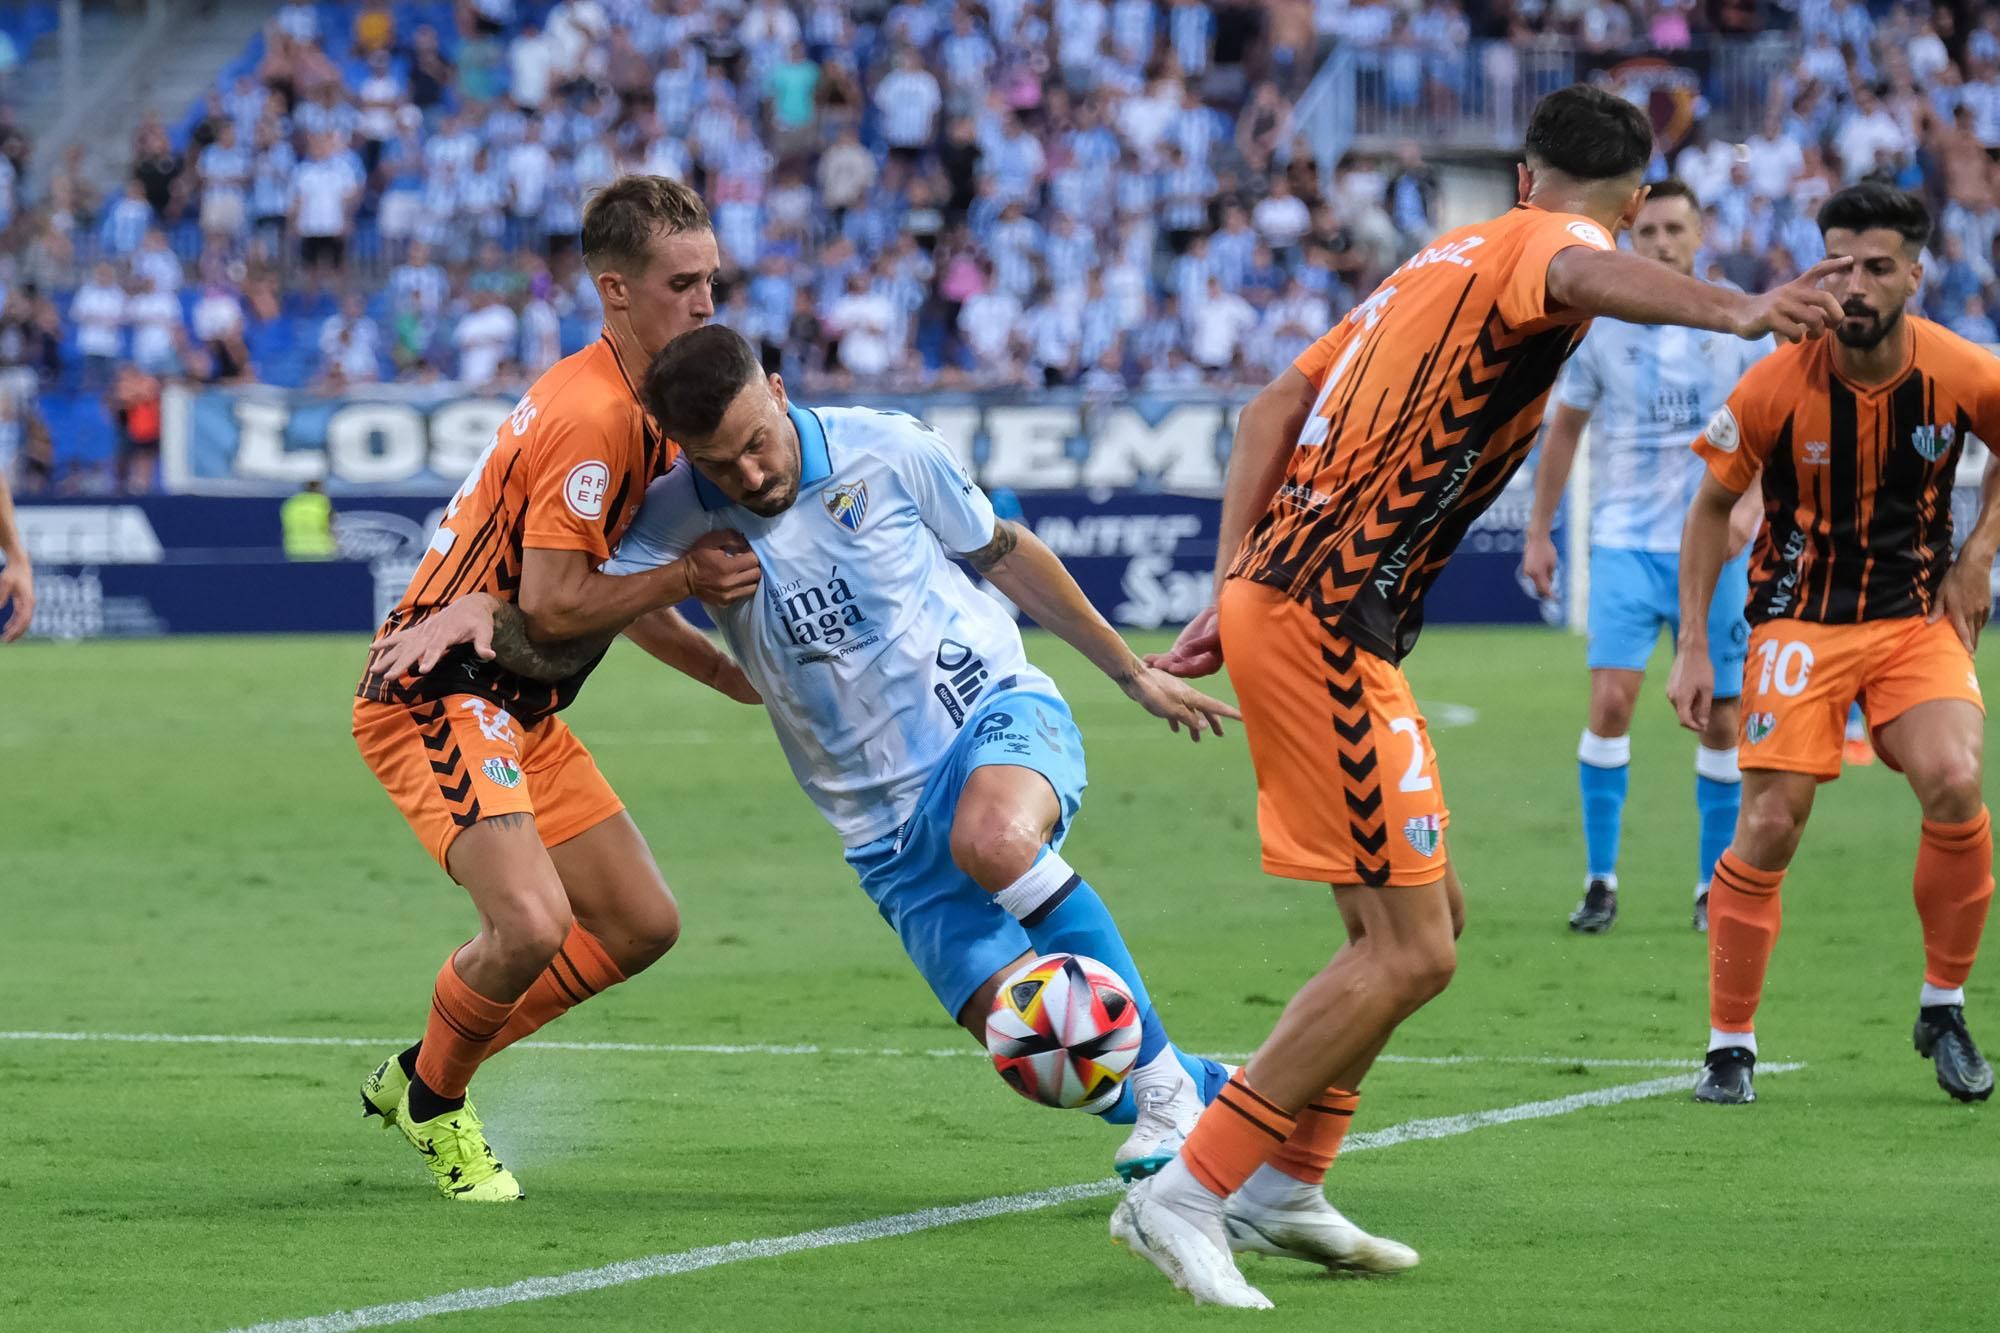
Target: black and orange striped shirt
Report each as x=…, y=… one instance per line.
x=1430, y=396
x=1857, y=478
x=566, y=471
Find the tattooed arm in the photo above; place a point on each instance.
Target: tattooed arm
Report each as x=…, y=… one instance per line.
x=1032, y=576
x=541, y=659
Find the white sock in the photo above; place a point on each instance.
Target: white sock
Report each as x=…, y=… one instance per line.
x=1604, y=751
x=1176, y=1187
x=1717, y=1039
x=1162, y=1071
x=1717, y=765
x=1701, y=889
x=1269, y=1187
x=1608, y=881
x=1931, y=995
x=1032, y=891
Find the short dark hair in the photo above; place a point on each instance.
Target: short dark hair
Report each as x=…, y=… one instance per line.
x=1671, y=188
x=695, y=378
x=622, y=219
x=1589, y=134
x=1871, y=205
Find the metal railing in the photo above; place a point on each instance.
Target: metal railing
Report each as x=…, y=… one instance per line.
x=1480, y=99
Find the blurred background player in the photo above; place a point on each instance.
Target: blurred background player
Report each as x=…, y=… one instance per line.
x=496, y=787
x=1854, y=597
x=1354, y=476
x=1645, y=386
x=901, y=693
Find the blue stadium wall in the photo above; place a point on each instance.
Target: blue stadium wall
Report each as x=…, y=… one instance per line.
x=1126, y=494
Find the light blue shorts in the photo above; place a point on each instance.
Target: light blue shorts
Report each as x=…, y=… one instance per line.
x=1634, y=594
x=951, y=928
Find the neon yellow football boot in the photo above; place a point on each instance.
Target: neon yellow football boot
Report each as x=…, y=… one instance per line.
x=454, y=1146
x=382, y=1091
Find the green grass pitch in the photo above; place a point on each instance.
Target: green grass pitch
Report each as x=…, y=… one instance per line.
x=189, y=845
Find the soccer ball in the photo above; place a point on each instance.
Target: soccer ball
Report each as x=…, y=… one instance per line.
x=1064, y=1031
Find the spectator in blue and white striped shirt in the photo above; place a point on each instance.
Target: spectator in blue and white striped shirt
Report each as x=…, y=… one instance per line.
x=716, y=124
x=1191, y=274
x=1132, y=28
x=1016, y=161
x=967, y=56
x=1015, y=243
x=1185, y=190
x=1190, y=28
x=418, y=284
x=909, y=101
x=1231, y=249
x=1197, y=128
x=126, y=221
x=676, y=89
x=1071, y=253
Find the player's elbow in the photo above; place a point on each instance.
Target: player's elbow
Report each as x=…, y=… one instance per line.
x=549, y=613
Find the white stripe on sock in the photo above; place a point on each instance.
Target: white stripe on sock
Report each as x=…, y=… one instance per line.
x=1717, y=765
x=1604, y=751
x=1044, y=878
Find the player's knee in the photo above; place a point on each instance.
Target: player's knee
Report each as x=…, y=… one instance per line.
x=1769, y=832
x=1428, y=969
x=995, y=847
x=650, y=934
x=1949, y=788
x=528, y=938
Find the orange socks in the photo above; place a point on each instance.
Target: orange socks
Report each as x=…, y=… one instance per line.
x=1954, y=889
x=462, y=1026
x=1743, y=917
x=1237, y=1134
x=1315, y=1140
x=580, y=969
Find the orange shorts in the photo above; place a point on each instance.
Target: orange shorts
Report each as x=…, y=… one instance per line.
x=1801, y=678
x=1347, y=782
x=449, y=763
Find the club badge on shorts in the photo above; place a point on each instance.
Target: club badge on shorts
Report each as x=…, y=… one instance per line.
x=502, y=772
x=1759, y=725
x=1424, y=833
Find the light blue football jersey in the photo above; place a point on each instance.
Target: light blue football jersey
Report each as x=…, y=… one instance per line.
x=867, y=642
x=1648, y=390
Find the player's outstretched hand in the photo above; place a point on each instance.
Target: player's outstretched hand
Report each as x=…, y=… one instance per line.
x=1197, y=652
x=419, y=648
x=1691, y=689
x=17, y=585
x=1538, y=563
x=722, y=569
x=1966, y=598
x=1799, y=309
x=1181, y=704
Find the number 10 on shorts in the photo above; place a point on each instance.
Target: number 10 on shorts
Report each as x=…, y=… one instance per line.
x=1786, y=666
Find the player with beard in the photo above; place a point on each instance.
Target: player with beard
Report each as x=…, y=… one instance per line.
x=1854, y=596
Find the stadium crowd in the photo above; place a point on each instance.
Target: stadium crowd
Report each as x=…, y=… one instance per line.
x=1110, y=194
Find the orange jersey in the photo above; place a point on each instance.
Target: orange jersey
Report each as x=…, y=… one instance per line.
x=565, y=472
x=1857, y=478
x=1430, y=395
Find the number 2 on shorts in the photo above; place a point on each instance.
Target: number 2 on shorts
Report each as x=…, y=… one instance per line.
x=1413, y=776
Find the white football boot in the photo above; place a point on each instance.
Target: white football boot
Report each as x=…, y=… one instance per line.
x=1267, y=1217
x=1169, y=1102
x=1185, y=1245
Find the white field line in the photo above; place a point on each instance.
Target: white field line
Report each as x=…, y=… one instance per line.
x=717, y=1048
x=1440, y=714
x=904, y=1224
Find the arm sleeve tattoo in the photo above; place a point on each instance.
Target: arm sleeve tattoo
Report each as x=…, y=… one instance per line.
x=1005, y=538
x=536, y=659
